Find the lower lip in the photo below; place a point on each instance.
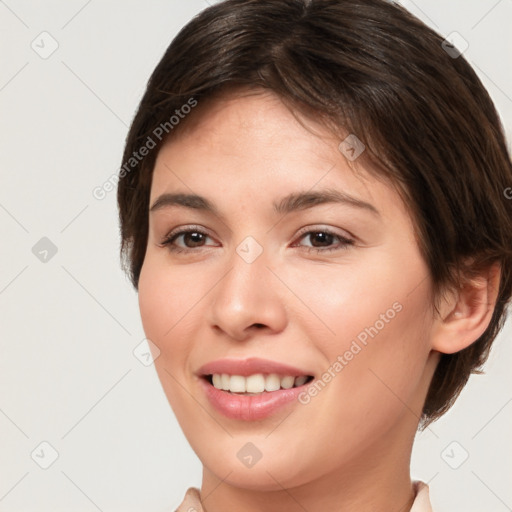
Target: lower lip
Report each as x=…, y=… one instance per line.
x=250, y=407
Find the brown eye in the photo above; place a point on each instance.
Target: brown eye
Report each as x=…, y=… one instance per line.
x=322, y=239
x=191, y=238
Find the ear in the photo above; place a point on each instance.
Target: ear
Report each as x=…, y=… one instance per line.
x=465, y=314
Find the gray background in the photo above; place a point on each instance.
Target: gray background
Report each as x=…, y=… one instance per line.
x=70, y=324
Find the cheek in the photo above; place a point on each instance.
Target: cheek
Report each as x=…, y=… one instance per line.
x=154, y=303
x=377, y=344
x=379, y=385
x=362, y=299
x=167, y=296
x=166, y=302
x=163, y=304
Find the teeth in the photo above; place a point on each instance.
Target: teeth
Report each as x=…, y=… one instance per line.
x=237, y=384
x=257, y=383
x=225, y=382
x=217, y=381
x=299, y=381
x=272, y=382
x=287, y=382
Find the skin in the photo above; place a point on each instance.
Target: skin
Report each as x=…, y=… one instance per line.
x=349, y=447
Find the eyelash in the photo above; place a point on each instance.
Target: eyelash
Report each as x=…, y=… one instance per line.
x=169, y=240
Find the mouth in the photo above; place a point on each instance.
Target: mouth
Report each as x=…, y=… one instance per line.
x=253, y=397
x=256, y=384
x=252, y=389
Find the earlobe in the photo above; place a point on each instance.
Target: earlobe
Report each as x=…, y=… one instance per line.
x=466, y=313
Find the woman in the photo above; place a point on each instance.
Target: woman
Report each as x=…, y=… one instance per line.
x=313, y=213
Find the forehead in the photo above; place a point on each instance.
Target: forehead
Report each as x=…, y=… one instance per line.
x=252, y=145
x=247, y=121
x=254, y=130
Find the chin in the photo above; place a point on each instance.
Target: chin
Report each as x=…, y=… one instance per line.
x=273, y=471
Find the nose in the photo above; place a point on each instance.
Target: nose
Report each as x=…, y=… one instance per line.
x=248, y=298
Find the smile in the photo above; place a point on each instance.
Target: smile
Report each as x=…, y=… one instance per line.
x=257, y=383
x=254, y=406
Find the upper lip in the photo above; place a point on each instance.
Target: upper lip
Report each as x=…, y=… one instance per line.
x=250, y=366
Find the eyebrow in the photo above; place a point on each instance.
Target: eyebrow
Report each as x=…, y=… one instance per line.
x=292, y=202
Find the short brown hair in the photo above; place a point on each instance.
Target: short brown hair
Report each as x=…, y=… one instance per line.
x=370, y=67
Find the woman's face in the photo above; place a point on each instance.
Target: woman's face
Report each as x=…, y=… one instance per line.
x=329, y=285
